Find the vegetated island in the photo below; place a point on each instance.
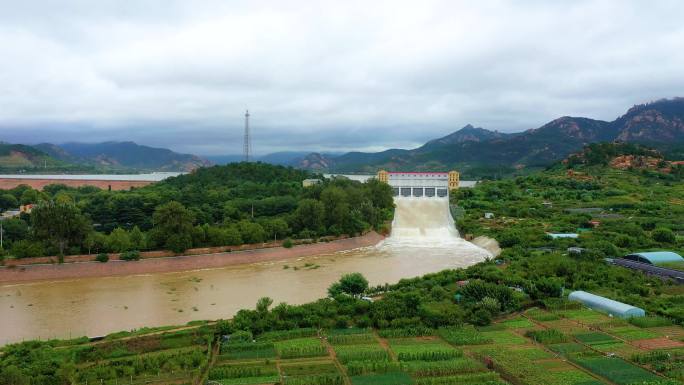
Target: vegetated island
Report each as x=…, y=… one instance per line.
x=503, y=321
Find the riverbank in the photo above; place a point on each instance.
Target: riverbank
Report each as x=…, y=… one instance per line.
x=168, y=264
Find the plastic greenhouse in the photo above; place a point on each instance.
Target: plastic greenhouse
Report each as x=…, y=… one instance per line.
x=606, y=305
x=655, y=257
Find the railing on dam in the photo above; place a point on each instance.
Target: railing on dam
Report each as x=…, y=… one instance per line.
x=420, y=192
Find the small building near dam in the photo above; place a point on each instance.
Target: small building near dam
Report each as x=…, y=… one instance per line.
x=420, y=184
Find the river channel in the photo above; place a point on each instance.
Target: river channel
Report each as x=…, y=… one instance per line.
x=423, y=241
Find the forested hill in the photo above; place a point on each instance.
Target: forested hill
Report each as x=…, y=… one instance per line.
x=478, y=152
x=19, y=157
x=235, y=174
x=116, y=157
x=123, y=155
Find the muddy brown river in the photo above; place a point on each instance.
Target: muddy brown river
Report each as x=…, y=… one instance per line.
x=423, y=241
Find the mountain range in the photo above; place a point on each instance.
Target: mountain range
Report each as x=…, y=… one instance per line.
x=474, y=151
x=94, y=157
x=477, y=151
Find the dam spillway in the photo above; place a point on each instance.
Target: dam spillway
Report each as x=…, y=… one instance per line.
x=425, y=227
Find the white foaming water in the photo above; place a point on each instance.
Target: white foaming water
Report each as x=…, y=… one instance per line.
x=426, y=225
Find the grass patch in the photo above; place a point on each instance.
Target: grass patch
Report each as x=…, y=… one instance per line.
x=241, y=351
x=567, y=348
x=595, y=338
x=650, y=322
x=504, y=337
x=541, y=315
x=518, y=323
x=466, y=335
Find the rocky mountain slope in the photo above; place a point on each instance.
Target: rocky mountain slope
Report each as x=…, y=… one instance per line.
x=481, y=152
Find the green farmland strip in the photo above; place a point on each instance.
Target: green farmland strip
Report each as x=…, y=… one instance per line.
x=396, y=378
x=614, y=369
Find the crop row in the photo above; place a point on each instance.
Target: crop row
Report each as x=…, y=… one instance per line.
x=547, y=336
x=148, y=364
x=346, y=353
x=242, y=371
x=281, y=335
x=466, y=335
x=484, y=378
x=416, y=331
x=442, y=368
x=300, y=348
x=350, y=339
x=248, y=350
x=614, y=369
x=334, y=379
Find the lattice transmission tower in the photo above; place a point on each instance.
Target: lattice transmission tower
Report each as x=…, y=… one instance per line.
x=247, y=146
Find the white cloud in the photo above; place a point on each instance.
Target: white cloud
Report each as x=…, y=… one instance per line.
x=324, y=75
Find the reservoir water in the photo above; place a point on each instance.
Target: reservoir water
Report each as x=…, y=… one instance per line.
x=423, y=240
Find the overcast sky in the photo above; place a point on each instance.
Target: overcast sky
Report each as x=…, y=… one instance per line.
x=324, y=75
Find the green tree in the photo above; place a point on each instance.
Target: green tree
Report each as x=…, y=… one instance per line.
x=263, y=304
x=309, y=215
x=95, y=241
x=276, y=228
x=12, y=375
x=26, y=249
x=173, y=227
x=251, y=232
x=119, y=241
x=663, y=235
x=30, y=196
x=8, y=201
x=60, y=224
x=137, y=237
x=353, y=284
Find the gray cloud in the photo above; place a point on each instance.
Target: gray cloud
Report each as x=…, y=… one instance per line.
x=324, y=75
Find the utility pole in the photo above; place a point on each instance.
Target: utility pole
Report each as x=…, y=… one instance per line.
x=247, y=145
x=1, y=231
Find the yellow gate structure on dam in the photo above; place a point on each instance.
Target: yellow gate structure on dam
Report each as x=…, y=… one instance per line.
x=420, y=184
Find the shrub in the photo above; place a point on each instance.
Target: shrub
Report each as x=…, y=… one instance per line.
x=102, y=257
x=26, y=249
x=663, y=235
x=133, y=255
x=287, y=243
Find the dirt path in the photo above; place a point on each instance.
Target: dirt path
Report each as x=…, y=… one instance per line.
x=32, y=273
x=385, y=345
x=216, y=348
x=340, y=367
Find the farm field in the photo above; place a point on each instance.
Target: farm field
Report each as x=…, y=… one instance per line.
x=537, y=347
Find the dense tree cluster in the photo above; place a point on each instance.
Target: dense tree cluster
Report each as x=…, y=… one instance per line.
x=216, y=206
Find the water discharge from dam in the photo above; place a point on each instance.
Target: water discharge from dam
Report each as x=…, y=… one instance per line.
x=423, y=240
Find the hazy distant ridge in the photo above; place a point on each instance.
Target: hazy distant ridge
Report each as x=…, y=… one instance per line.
x=480, y=151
